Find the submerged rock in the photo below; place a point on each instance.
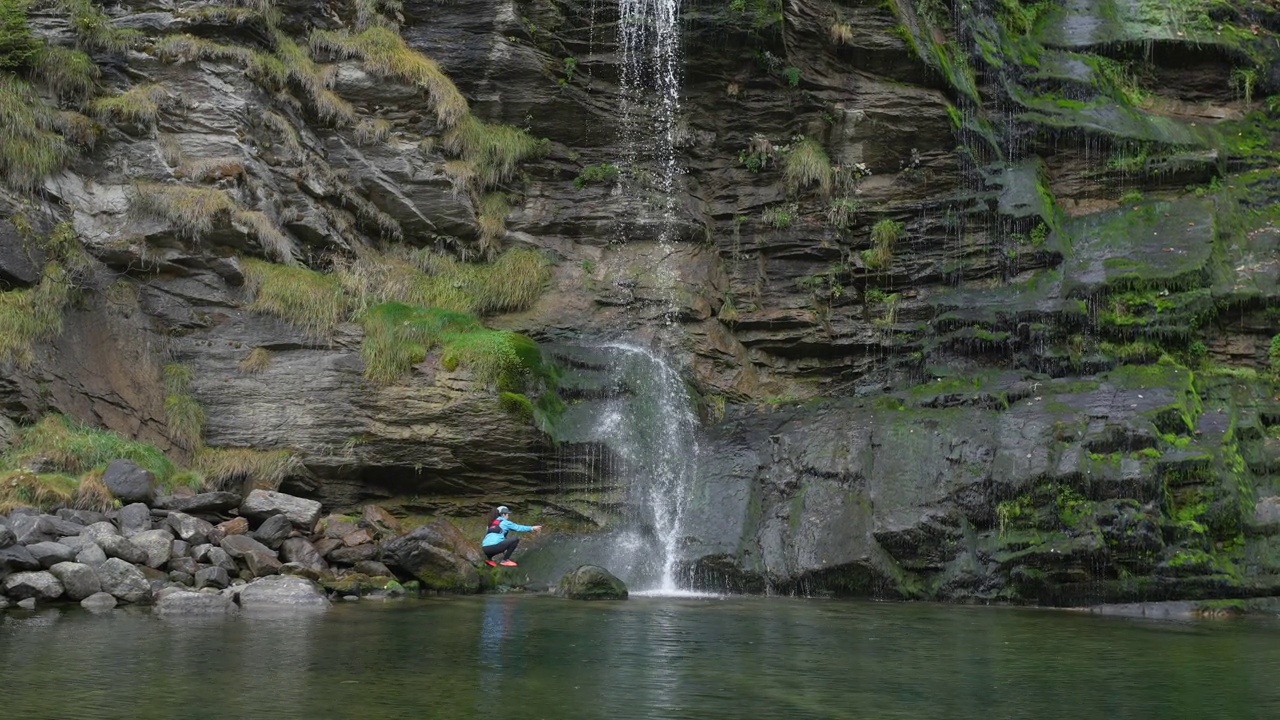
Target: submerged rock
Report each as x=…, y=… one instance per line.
x=185, y=602
x=98, y=602
x=592, y=582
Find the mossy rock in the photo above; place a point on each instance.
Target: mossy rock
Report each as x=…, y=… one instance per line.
x=592, y=582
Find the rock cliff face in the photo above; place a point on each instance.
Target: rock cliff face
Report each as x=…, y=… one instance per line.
x=977, y=298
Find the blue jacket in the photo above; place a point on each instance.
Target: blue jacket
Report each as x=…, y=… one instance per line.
x=507, y=526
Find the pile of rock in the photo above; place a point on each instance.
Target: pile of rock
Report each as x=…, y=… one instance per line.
x=173, y=549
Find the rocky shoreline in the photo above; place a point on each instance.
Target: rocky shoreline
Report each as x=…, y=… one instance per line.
x=219, y=551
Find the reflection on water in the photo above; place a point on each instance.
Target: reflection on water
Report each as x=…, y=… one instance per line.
x=542, y=657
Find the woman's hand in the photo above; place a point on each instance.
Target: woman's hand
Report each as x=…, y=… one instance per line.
x=536, y=528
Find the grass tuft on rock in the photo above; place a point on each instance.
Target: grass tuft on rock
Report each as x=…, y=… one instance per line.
x=491, y=216
x=193, y=210
x=24, y=488
x=256, y=361
x=884, y=236
x=385, y=54
x=807, y=164
x=59, y=444
x=93, y=27
x=32, y=315
x=224, y=468
x=140, y=104
x=29, y=149
x=310, y=301
x=182, y=411
x=493, y=150
x=70, y=74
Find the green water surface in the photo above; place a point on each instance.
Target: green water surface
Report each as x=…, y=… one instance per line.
x=514, y=656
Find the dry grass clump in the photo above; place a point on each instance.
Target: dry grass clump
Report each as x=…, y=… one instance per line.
x=92, y=493
x=841, y=33
x=93, y=27
x=370, y=131
x=70, y=74
x=140, y=104
x=32, y=315
x=491, y=216
x=23, y=488
x=385, y=54
x=275, y=244
x=29, y=149
x=263, y=469
x=78, y=129
x=494, y=151
x=315, y=80
x=192, y=210
x=182, y=411
x=256, y=361
x=282, y=127
x=807, y=164
x=311, y=301
x=209, y=169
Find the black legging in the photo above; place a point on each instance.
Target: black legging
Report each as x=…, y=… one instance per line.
x=508, y=546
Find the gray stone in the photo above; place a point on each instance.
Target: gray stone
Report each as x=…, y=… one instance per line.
x=39, y=584
x=213, y=502
x=238, y=546
x=262, y=565
x=98, y=602
x=184, y=602
x=262, y=504
x=134, y=519
x=157, y=544
x=31, y=529
x=302, y=552
x=301, y=571
x=77, y=542
x=426, y=554
x=181, y=578
x=124, y=581
x=353, y=555
x=7, y=537
x=179, y=548
x=184, y=564
x=91, y=555
x=282, y=591
x=1266, y=516
x=213, y=577
x=591, y=582
x=4, y=602
x=191, y=529
x=373, y=568
x=28, y=604
x=129, y=482
x=17, y=557
x=80, y=517
x=116, y=546
x=99, y=530
x=79, y=581
x=49, y=554
x=17, y=266
x=273, y=531
x=221, y=558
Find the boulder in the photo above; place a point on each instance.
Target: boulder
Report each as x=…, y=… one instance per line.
x=260, y=559
x=129, y=482
x=31, y=529
x=591, y=582
x=40, y=585
x=273, y=531
x=302, y=552
x=426, y=554
x=219, y=557
x=234, y=526
x=79, y=581
x=77, y=542
x=7, y=537
x=353, y=555
x=214, y=577
x=189, y=528
x=282, y=591
x=91, y=555
x=179, y=548
x=81, y=517
x=184, y=564
x=116, y=546
x=49, y=554
x=99, y=530
x=202, y=504
x=18, y=557
x=134, y=519
x=336, y=526
x=98, y=602
x=373, y=568
x=123, y=581
x=181, y=578
x=4, y=602
x=157, y=544
x=27, y=604
x=324, y=546
x=184, y=602
x=262, y=504
x=380, y=520
x=359, y=537
x=302, y=571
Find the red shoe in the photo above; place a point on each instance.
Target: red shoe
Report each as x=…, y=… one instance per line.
x=508, y=563
x=490, y=563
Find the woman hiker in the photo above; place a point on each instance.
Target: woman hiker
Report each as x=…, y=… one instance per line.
x=495, y=540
